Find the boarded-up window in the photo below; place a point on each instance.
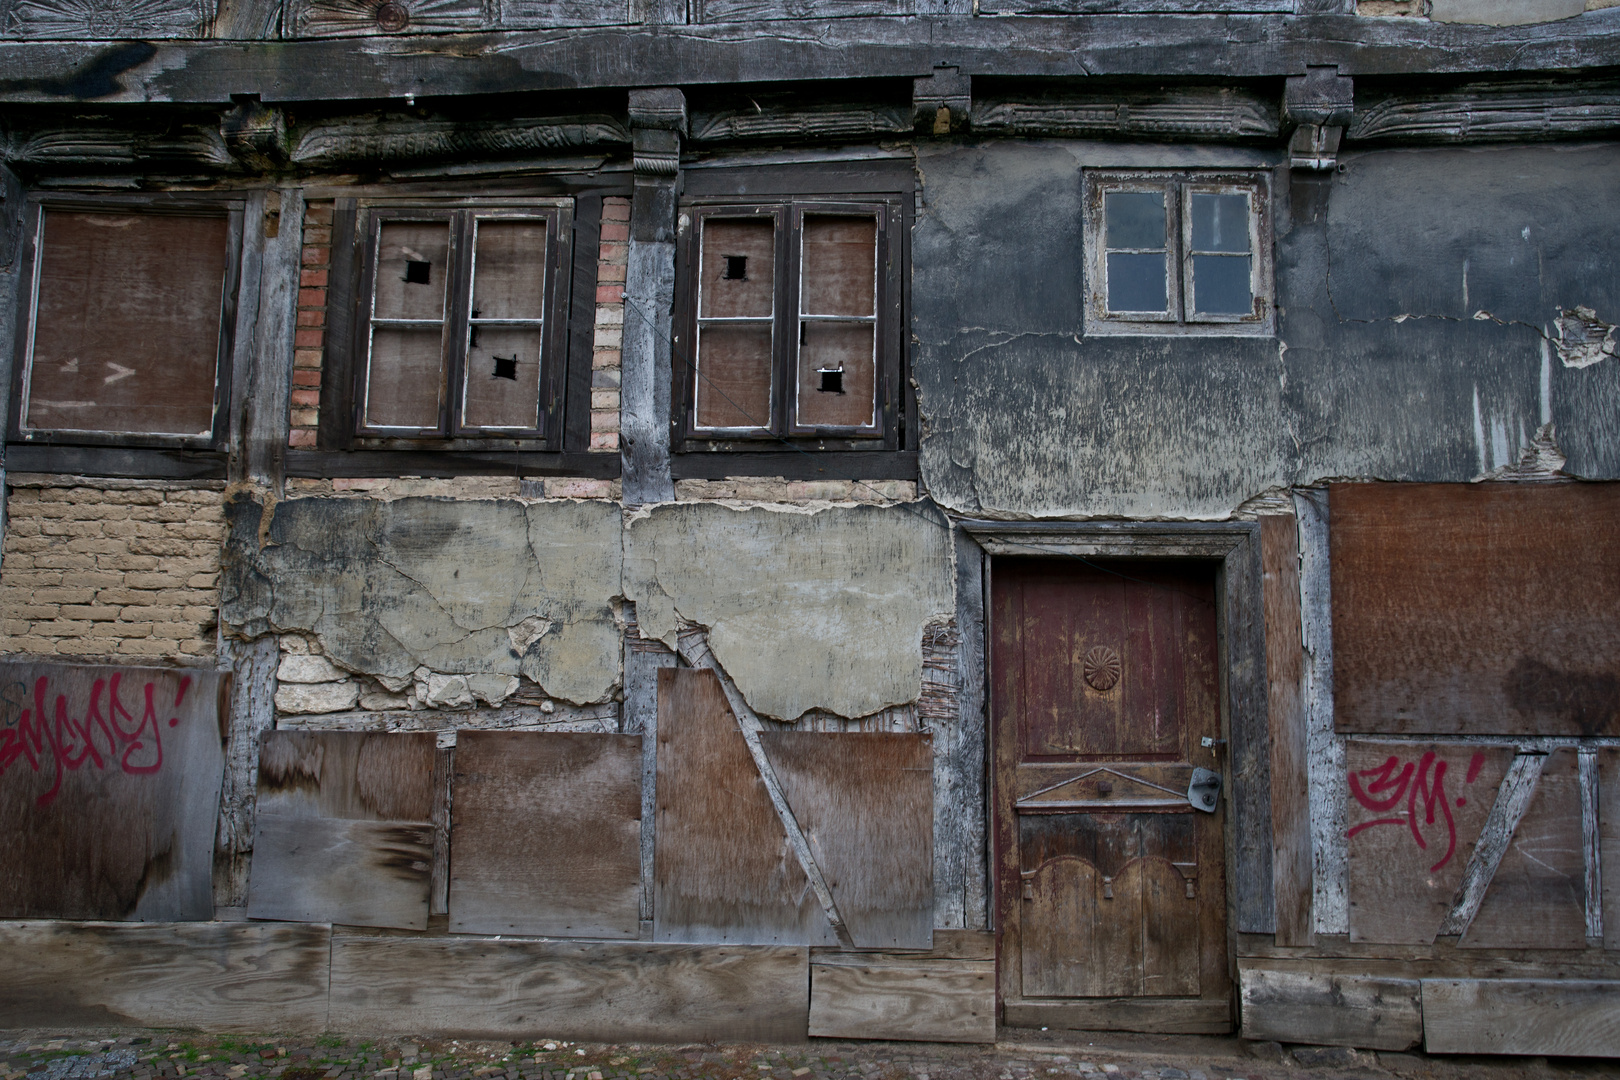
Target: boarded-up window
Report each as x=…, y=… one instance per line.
x=127, y=323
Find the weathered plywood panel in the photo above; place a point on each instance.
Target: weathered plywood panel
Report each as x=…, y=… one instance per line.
x=216, y=976
x=865, y=803
x=362, y=776
x=1609, y=842
x=546, y=834
x=1414, y=814
x=609, y=991
x=1537, y=898
x=1460, y=608
x=109, y=790
x=1368, y=1011
x=1291, y=857
x=1521, y=1016
x=855, y=997
x=723, y=870
x=362, y=873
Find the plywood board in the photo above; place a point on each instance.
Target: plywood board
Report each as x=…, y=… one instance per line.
x=357, y=775
x=1414, y=814
x=1291, y=857
x=1537, y=898
x=546, y=834
x=607, y=991
x=1476, y=608
x=1609, y=841
x=1521, y=1016
x=362, y=873
x=865, y=802
x=722, y=867
x=854, y=997
x=109, y=790
x=1377, y=1013
x=216, y=976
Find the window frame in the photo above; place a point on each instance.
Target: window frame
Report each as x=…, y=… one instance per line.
x=1180, y=317
x=233, y=209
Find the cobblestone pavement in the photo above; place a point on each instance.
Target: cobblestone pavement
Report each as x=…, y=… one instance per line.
x=145, y=1054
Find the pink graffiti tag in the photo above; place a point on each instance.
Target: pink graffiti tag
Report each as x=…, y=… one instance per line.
x=1386, y=784
x=52, y=738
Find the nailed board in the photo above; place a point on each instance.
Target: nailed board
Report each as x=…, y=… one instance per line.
x=1476, y=608
x=359, y=775
x=109, y=790
x=1369, y=1011
x=1609, y=842
x=865, y=802
x=546, y=834
x=607, y=991
x=722, y=867
x=214, y=976
x=1521, y=1016
x=1537, y=898
x=1401, y=890
x=856, y=997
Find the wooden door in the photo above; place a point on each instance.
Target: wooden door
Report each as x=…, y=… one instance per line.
x=1111, y=890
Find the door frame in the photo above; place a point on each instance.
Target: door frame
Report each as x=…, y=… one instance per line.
x=1241, y=658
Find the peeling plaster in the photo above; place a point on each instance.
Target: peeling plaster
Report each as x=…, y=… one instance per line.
x=388, y=587
x=806, y=608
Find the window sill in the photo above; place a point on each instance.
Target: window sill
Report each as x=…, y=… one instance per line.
x=128, y=462
x=797, y=465
x=323, y=464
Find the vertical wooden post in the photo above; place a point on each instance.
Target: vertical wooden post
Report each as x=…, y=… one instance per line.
x=1285, y=707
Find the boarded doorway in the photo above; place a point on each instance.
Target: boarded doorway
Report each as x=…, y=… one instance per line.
x=1111, y=886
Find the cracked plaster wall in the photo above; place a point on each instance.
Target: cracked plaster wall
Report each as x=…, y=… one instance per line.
x=495, y=587
x=806, y=609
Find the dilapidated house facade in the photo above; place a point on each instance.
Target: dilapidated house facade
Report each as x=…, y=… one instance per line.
x=745, y=519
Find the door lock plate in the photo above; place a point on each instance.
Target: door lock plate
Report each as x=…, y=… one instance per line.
x=1205, y=790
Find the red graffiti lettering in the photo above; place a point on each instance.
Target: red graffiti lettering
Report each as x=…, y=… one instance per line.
x=1381, y=788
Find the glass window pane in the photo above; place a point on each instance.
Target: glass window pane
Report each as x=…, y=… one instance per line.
x=1136, y=282
x=126, y=336
x=738, y=276
x=509, y=270
x=403, y=380
x=734, y=375
x=837, y=375
x=1221, y=285
x=839, y=275
x=412, y=268
x=503, y=378
x=1220, y=222
x=1134, y=219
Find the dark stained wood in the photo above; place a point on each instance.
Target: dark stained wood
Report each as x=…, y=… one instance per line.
x=796, y=465
x=1450, y=617
x=864, y=801
x=1537, y=898
x=364, y=776
x=1415, y=812
x=609, y=991
x=318, y=465
x=211, y=975
x=1609, y=842
x=109, y=790
x=120, y=461
x=547, y=834
x=1164, y=1016
x=1291, y=859
x=326, y=870
x=576, y=412
x=1498, y=111
x=252, y=712
x=857, y=997
x=1320, y=1008
x=723, y=870
x=1521, y=1016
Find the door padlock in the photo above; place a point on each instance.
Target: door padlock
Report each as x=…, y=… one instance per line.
x=1205, y=790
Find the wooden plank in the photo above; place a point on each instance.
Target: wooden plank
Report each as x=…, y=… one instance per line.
x=971, y=861
x=1285, y=676
x=1537, y=898
x=1521, y=1016
x=547, y=834
x=444, y=763
x=865, y=803
x=316, y=464
x=1414, y=815
x=252, y=712
x=264, y=395
x=1609, y=841
x=1330, y=1009
x=361, y=873
x=948, y=945
x=216, y=976
x=358, y=775
x=607, y=991
x=723, y=869
x=135, y=462
x=1453, y=614
x=930, y=1001
x=109, y=790
x=1163, y=1016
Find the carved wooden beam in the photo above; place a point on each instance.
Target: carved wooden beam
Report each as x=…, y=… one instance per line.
x=1194, y=113
x=376, y=138
x=1521, y=110
x=808, y=122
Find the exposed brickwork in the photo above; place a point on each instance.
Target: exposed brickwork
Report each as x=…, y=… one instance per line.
x=108, y=568
x=612, y=258
x=313, y=275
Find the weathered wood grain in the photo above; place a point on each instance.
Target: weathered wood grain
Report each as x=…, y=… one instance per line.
x=1164, y=1016
x=972, y=807
x=865, y=803
x=252, y=712
x=217, y=976
x=1449, y=618
x=264, y=395
x=1521, y=1016
x=1325, y=763
x=361, y=873
x=1376, y=1013
x=1291, y=857
x=1609, y=842
x=109, y=790
x=354, y=18
x=547, y=834
x=723, y=869
x=533, y=14
x=444, y=764
x=608, y=991
x=363, y=776
x=57, y=20
x=853, y=997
